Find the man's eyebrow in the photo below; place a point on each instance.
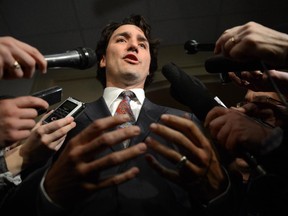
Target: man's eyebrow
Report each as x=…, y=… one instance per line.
x=124, y=34
x=142, y=38
x=128, y=35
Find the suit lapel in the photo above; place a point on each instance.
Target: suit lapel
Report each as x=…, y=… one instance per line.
x=99, y=109
x=150, y=113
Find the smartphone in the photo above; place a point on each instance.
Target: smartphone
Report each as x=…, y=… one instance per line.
x=70, y=107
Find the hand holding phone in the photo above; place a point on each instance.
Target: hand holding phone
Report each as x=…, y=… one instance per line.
x=70, y=107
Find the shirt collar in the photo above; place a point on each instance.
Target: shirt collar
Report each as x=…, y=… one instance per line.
x=110, y=94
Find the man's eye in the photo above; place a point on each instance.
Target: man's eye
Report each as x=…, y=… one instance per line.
x=120, y=40
x=142, y=45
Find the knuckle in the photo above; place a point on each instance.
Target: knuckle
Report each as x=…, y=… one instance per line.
x=96, y=125
x=114, y=159
x=115, y=180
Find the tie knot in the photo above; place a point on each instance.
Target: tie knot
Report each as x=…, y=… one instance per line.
x=129, y=94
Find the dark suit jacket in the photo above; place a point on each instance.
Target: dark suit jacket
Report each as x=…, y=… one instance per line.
x=147, y=194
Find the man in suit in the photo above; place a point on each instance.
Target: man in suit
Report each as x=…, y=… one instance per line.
x=162, y=171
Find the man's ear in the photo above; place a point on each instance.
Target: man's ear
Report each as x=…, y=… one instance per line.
x=103, y=62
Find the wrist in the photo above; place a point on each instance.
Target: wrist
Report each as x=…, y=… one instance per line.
x=14, y=160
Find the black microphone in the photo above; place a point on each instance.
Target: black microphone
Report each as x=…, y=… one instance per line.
x=193, y=47
x=222, y=64
x=190, y=91
x=78, y=58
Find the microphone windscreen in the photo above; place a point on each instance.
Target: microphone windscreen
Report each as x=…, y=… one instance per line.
x=193, y=47
x=176, y=76
x=189, y=91
x=87, y=57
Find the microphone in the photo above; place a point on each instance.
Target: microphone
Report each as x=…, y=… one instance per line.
x=222, y=64
x=190, y=91
x=78, y=58
x=193, y=47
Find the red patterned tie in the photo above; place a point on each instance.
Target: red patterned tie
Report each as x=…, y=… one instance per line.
x=124, y=108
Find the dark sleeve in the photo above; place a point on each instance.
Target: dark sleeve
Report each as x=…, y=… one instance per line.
x=23, y=197
x=229, y=202
x=275, y=162
x=45, y=206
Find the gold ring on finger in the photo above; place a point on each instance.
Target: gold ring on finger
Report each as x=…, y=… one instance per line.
x=16, y=65
x=233, y=40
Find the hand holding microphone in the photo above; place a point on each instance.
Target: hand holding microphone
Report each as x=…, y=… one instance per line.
x=220, y=63
x=247, y=47
x=253, y=42
x=79, y=58
x=245, y=73
x=19, y=59
x=191, y=92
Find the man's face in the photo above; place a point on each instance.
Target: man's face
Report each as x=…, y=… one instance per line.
x=127, y=59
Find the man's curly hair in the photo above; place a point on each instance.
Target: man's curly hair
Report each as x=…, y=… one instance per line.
x=107, y=32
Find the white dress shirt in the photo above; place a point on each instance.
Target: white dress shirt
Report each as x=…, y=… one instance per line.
x=111, y=97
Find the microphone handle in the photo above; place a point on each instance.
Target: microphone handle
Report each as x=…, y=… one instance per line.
x=206, y=47
x=222, y=64
x=253, y=163
x=63, y=59
x=79, y=58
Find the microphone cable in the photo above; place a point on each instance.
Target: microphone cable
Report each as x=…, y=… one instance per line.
x=274, y=85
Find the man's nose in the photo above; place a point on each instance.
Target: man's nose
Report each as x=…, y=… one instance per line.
x=133, y=46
